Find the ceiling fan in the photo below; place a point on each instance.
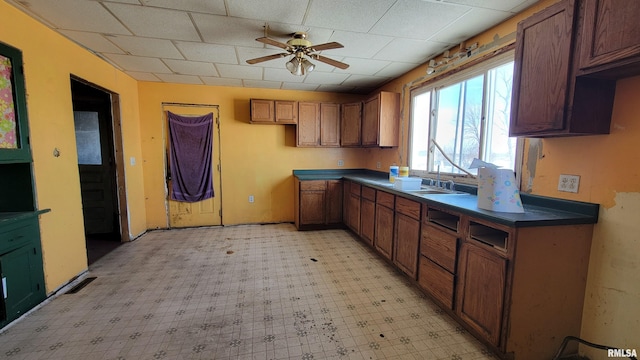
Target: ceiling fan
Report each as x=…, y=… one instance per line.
x=300, y=48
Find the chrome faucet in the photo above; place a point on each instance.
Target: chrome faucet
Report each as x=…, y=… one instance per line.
x=438, y=177
x=451, y=185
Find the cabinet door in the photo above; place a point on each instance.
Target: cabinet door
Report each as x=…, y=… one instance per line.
x=353, y=219
x=312, y=207
x=262, y=111
x=370, y=124
x=481, y=290
x=367, y=220
x=406, y=244
x=384, y=230
x=19, y=269
x=542, y=70
x=611, y=34
x=334, y=202
x=350, y=134
x=308, y=129
x=329, y=124
x=286, y=112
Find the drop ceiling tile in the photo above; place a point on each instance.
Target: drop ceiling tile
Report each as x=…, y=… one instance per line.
x=207, y=52
x=214, y=81
x=138, y=63
x=224, y=30
x=472, y=23
x=393, y=69
x=365, y=81
x=365, y=66
x=410, y=50
x=239, y=72
x=281, y=75
x=204, y=6
x=153, y=22
x=184, y=67
x=336, y=88
x=93, y=41
x=180, y=79
x=140, y=46
x=347, y=15
x=299, y=86
x=57, y=14
x=284, y=11
x=522, y=6
x=262, y=84
x=318, y=77
x=357, y=44
x=503, y=5
x=143, y=76
x=406, y=19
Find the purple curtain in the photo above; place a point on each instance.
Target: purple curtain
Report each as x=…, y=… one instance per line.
x=190, y=147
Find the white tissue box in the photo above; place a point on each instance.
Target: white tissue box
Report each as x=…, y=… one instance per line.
x=407, y=183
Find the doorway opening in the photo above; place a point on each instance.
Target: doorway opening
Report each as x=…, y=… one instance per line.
x=101, y=167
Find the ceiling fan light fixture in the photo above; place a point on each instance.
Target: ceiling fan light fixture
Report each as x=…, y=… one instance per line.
x=294, y=66
x=308, y=65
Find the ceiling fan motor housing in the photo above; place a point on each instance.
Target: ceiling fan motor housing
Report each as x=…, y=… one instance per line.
x=299, y=40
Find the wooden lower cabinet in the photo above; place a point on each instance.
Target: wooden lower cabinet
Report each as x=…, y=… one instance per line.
x=407, y=236
x=318, y=204
x=384, y=227
x=481, y=297
x=367, y=214
x=519, y=290
x=353, y=208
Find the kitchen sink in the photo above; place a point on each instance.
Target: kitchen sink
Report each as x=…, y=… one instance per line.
x=433, y=190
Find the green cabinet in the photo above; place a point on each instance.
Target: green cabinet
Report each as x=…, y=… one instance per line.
x=21, y=270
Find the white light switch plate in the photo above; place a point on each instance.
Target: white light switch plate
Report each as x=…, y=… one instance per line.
x=569, y=183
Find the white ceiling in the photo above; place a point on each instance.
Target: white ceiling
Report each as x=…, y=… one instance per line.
x=208, y=41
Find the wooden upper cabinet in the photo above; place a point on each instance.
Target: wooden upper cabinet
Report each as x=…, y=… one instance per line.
x=548, y=99
x=286, y=112
x=262, y=111
x=308, y=129
x=329, y=124
x=381, y=120
x=351, y=125
x=318, y=124
x=610, y=38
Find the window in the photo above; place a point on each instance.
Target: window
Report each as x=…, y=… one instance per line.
x=467, y=114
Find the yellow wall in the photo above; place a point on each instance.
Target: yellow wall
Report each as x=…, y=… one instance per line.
x=49, y=60
x=256, y=159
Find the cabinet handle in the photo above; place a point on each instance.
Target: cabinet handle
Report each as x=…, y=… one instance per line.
x=16, y=238
x=4, y=287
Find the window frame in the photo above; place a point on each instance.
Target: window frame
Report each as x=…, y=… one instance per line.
x=439, y=82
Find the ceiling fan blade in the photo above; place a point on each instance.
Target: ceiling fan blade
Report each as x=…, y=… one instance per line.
x=276, y=43
x=266, y=58
x=327, y=46
x=331, y=62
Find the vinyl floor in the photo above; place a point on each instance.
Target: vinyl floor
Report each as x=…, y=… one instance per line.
x=241, y=292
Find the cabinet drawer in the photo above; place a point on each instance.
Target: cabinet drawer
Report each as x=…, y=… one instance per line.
x=16, y=236
x=369, y=193
x=436, y=281
x=386, y=199
x=408, y=207
x=355, y=189
x=440, y=247
x=313, y=185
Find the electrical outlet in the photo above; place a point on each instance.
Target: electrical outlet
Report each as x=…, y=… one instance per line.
x=569, y=183
x=378, y=165
x=250, y=198
x=340, y=162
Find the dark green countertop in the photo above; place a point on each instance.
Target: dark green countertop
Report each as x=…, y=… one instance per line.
x=8, y=217
x=538, y=210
